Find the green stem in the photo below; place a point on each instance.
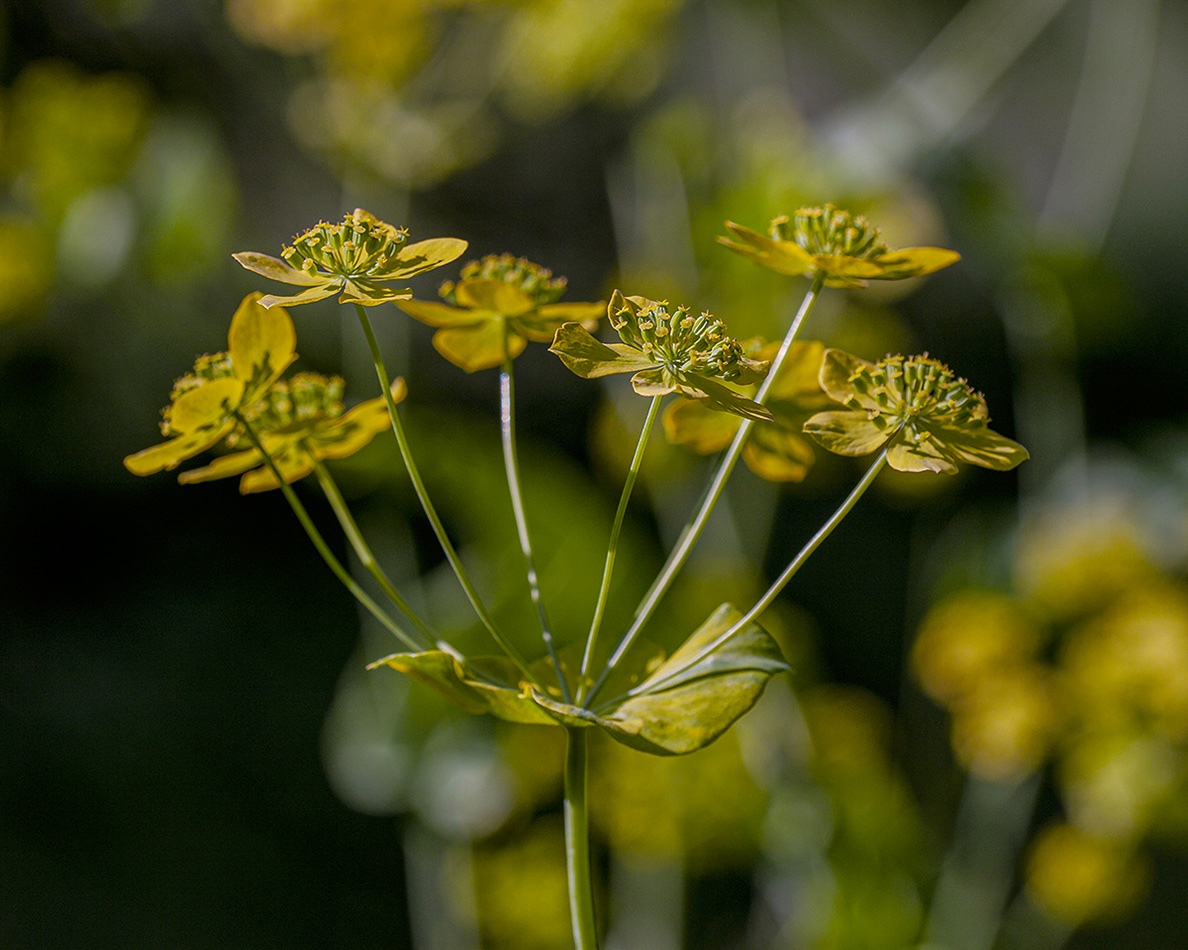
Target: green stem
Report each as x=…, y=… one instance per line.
x=351, y=529
x=431, y=512
x=613, y=545
x=577, y=841
x=789, y=572
x=692, y=530
x=511, y=462
x=319, y=542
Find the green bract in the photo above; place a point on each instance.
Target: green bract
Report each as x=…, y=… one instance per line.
x=500, y=304
x=828, y=242
x=932, y=419
x=300, y=421
x=674, y=710
x=260, y=345
x=668, y=351
x=776, y=450
x=356, y=256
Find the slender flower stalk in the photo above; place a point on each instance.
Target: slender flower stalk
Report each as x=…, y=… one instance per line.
x=692, y=530
x=616, y=528
x=577, y=841
x=431, y=512
x=320, y=543
x=511, y=462
x=368, y=559
x=788, y=573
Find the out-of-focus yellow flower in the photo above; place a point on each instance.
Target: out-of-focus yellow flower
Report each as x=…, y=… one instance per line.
x=357, y=257
x=850, y=731
x=1130, y=663
x=301, y=422
x=667, y=351
x=1115, y=784
x=842, y=248
x=1004, y=726
x=1070, y=562
x=1078, y=878
x=776, y=450
x=969, y=636
x=260, y=346
x=26, y=268
x=932, y=419
x=67, y=133
x=500, y=304
x=520, y=890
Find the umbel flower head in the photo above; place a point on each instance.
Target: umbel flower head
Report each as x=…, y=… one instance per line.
x=778, y=450
x=669, y=351
x=932, y=419
x=202, y=407
x=841, y=247
x=499, y=304
x=300, y=422
x=357, y=256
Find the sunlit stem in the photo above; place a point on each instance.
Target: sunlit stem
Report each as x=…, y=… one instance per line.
x=692, y=531
x=319, y=542
x=351, y=529
x=431, y=512
x=613, y=545
x=511, y=462
x=577, y=842
x=788, y=573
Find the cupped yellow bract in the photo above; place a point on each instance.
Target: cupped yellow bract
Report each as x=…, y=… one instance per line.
x=669, y=351
x=840, y=247
x=300, y=422
x=775, y=450
x=932, y=419
x=500, y=303
x=357, y=256
x=260, y=346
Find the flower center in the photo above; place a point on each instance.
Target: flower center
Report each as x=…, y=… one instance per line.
x=536, y=281
x=680, y=342
x=915, y=389
x=359, y=246
x=831, y=232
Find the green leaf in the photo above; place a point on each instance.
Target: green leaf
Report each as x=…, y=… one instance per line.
x=590, y=358
x=690, y=700
x=477, y=686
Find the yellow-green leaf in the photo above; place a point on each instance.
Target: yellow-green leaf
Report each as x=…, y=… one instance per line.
x=276, y=269
x=848, y=433
x=590, y=358
x=487, y=293
x=480, y=346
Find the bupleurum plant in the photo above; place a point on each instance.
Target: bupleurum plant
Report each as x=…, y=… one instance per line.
x=760, y=402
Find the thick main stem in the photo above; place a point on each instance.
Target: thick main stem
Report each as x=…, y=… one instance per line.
x=612, y=547
x=320, y=543
x=511, y=462
x=692, y=531
x=577, y=842
x=431, y=512
x=788, y=573
x=368, y=559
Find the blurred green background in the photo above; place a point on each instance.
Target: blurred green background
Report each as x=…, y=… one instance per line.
x=985, y=739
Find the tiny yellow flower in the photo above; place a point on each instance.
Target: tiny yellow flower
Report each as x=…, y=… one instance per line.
x=260, y=346
x=668, y=351
x=356, y=256
x=300, y=421
x=932, y=419
x=500, y=304
x=841, y=247
x=776, y=450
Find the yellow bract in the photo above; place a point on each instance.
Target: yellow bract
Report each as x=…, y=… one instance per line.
x=499, y=305
x=295, y=447
x=776, y=450
x=260, y=345
x=835, y=245
x=356, y=256
x=932, y=419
